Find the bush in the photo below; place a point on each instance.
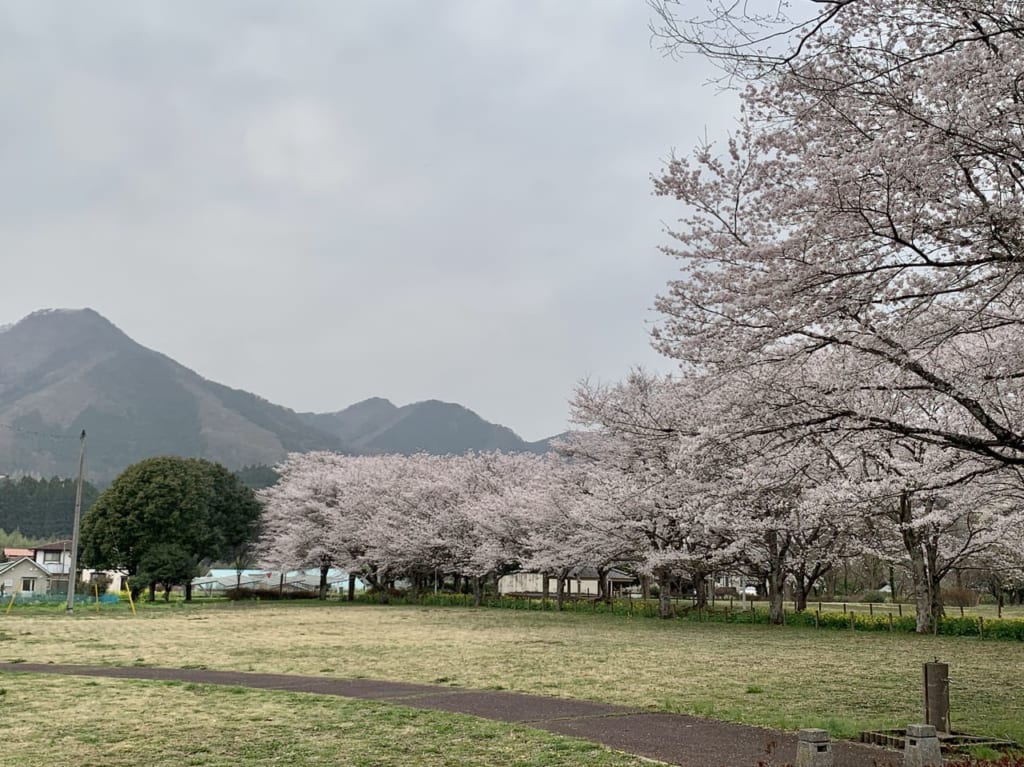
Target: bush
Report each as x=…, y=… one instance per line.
x=875, y=597
x=1005, y=628
x=236, y=595
x=960, y=597
x=1006, y=760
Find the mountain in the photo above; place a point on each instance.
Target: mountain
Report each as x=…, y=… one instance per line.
x=378, y=426
x=62, y=371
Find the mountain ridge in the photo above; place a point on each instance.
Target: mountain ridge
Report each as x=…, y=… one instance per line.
x=376, y=425
x=65, y=370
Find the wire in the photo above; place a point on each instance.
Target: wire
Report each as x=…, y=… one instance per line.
x=48, y=435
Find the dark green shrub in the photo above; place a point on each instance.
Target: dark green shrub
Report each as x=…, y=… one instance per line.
x=236, y=595
x=1004, y=628
x=960, y=597
x=1006, y=760
x=875, y=597
x=959, y=627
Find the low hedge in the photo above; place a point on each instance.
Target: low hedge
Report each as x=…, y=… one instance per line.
x=1008, y=629
x=236, y=595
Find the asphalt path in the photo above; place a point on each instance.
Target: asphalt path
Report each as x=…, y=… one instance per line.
x=672, y=738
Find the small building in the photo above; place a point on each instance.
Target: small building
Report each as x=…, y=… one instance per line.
x=25, y=577
x=582, y=581
x=111, y=581
x=219, y=580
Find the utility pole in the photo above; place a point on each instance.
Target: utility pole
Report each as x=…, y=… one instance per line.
x=73, y=571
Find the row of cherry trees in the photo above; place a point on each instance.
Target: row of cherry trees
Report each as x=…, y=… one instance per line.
x=848, y=321
x=411, y=517
x=849, y=311
x=650, y=486
x=681, y=465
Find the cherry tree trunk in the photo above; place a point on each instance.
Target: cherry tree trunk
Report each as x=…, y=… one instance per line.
x=664, y=594
x=478, y=591
x=776, y=582
x=602, y=585
x=913, y=542
x=777, y=548
x=800, y=592
x=560, y=591
x=936, y=607
x=700, y=589
x=351, y=587
x=920, y=584
x=324, y=567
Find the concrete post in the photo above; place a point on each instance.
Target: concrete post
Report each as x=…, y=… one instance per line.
x=922, y=749
x=814, y=749
x=936, y=695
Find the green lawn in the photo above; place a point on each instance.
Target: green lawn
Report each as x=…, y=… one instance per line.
x=782, y=677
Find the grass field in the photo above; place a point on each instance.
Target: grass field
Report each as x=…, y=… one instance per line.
x=114, y=723
x=780, y=677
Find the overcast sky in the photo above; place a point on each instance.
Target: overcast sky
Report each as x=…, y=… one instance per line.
x=321, y=202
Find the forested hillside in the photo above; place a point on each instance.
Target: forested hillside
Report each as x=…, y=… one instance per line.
x=41, y=508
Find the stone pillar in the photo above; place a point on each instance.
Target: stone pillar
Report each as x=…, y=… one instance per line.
x=814, y=749
x=922, y=749
x=936, y=695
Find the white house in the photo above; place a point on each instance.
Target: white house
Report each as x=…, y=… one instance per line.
x=25, y=577
x=55, y=557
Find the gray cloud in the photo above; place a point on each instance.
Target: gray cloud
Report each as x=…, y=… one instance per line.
x=325, y=201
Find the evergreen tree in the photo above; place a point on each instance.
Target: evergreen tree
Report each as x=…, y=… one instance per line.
x=164, y=517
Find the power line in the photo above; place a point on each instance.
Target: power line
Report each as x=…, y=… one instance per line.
x=34, y=433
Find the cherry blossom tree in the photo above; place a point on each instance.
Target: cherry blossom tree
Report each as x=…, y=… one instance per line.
x=868, y=209
x=632, y=447
x=926, y=509
x=304, y=516
x=506, y=497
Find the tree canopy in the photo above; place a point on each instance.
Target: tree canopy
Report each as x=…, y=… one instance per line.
x=164, y=517
x=860, y=235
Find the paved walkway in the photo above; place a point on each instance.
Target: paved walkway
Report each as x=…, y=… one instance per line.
x=673, y=738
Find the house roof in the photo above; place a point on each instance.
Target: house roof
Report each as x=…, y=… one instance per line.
x=8, y=566
x=12, y=552
x=64, y=545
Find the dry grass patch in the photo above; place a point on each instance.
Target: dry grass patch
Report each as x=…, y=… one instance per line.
x=785, y=678
x=115, y=723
